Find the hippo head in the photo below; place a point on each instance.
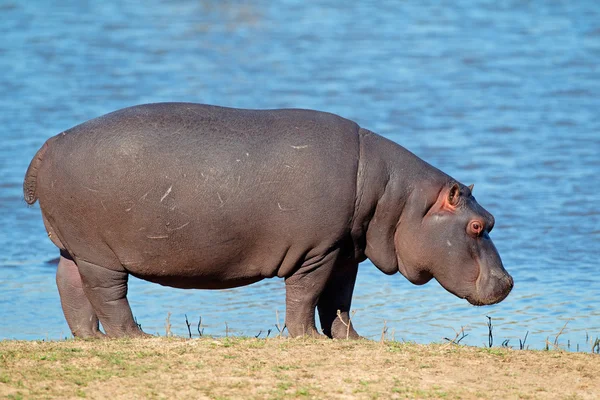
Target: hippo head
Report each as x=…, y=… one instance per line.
x=444, y=234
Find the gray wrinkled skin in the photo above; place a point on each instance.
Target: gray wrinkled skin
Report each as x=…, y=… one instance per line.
x=197, y=196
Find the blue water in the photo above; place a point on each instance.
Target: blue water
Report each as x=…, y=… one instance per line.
x=503, y=94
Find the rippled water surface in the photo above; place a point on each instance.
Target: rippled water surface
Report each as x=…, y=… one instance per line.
x=505, y=95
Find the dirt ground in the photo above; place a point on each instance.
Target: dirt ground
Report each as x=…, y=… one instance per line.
x=279, y=368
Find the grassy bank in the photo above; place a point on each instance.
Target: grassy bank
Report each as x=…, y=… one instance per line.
x=281, y=368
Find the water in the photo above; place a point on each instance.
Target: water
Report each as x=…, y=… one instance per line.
x=501, y=94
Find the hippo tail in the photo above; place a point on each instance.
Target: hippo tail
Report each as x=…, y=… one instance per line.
x=30, y=182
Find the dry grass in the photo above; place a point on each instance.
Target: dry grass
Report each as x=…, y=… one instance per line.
x=282, y=368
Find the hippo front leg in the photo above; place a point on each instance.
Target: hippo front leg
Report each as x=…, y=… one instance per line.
x=334, y=303
x=78, y=310
x=107, y=291
x=302, y=292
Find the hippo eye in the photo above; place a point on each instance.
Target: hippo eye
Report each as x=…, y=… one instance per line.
x=476, y=227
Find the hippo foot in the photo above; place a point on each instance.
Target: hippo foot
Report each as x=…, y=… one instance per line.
x=343, y=330
x=130, y=334
x=300, y=330
x=340, y=327
x=312, y=335
x=88, y=335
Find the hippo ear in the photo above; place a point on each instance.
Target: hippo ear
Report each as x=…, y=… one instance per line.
x=471, y=186
x=453, y=195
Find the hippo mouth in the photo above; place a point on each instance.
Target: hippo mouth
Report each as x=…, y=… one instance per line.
x=475, y=301
x=495, y=291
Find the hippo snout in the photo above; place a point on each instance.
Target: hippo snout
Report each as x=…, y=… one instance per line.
x=491, y=289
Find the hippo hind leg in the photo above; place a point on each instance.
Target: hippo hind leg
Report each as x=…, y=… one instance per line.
x=78, y=310
x=334, y=302
x=106, y=290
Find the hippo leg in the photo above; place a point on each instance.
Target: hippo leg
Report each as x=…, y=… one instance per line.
x=302, y=292
x=338, y=296
x=107, y=291
x=78, y=310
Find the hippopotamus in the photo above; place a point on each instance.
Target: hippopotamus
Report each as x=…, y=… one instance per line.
x=199, y=196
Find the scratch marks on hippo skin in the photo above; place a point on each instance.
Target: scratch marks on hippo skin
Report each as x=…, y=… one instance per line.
x=97, y=197
x=169, y=230
x=179, y=227
x=282, y=208
x=142, y=198
x=304, y=146
x=158, y=237
x=221, y=201
x=132, y=263
x=166, y=193
x=165, y=210
x=85, y=187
